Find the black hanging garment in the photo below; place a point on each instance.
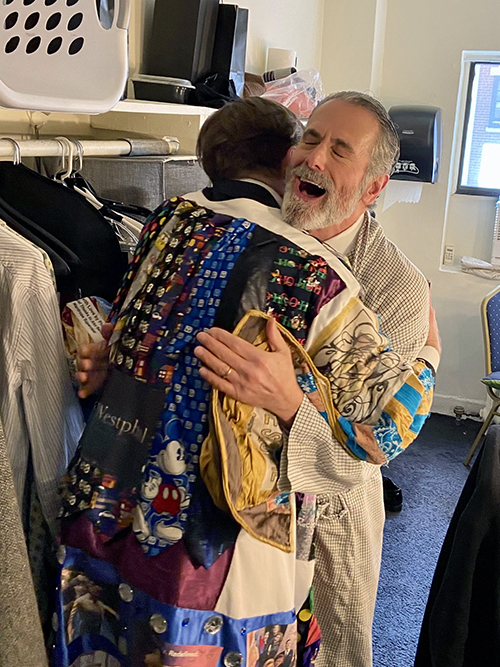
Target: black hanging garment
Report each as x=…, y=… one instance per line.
x=61, y=267
x=69, y=218
x=461, y=626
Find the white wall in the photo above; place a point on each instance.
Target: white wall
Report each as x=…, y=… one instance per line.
x=421, y=65
x=347, y=44
x=285, y=24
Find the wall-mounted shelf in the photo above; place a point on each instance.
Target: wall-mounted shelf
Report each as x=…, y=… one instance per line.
x=127, y=118
x=143, y=106
x=155, y=119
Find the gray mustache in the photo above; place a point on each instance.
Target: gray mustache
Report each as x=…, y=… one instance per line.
x=304, y=172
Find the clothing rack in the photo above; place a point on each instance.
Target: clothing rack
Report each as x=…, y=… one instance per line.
x=56, y=147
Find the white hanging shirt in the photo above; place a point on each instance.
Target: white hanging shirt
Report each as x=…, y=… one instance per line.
x=38, y=406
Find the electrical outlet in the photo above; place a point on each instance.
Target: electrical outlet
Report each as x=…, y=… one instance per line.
x=449, y=255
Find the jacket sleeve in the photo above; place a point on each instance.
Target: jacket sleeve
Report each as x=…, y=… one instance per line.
x=314, y=461
x=380, y=400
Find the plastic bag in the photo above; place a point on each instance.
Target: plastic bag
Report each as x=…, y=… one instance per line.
x=479, y=267
x=300, y=92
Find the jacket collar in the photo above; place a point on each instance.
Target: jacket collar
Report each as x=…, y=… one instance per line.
x=270, y=218
x=241, y=189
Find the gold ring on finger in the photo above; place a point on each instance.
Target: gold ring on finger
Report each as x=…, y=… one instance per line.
x=227, y=373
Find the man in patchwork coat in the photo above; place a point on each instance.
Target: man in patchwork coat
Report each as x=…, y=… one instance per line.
x=322, y=385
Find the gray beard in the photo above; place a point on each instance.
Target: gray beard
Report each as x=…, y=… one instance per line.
x=336, y=207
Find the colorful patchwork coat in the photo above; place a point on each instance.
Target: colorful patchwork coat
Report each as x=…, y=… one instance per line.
x=178, y=547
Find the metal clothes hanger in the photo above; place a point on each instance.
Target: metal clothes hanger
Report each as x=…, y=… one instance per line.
x=126, y=230
x=79, y=182
x=17, y=150
x=67, y=158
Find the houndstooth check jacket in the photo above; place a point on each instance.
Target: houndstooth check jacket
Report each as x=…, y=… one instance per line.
x=351, y=511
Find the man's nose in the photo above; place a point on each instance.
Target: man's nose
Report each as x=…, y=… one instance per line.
x=317, y=157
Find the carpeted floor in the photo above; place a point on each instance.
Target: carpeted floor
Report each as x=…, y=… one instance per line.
x=431, y=475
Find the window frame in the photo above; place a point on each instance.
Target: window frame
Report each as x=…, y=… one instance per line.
x=469, y=60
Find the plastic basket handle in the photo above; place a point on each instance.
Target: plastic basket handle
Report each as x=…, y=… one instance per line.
x=123, y=14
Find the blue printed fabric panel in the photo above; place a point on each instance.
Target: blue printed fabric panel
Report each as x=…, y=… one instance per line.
x=103, y=622
x=386, y=431
x=172, y=469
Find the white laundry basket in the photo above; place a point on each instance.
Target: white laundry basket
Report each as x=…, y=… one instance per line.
x=63, y=55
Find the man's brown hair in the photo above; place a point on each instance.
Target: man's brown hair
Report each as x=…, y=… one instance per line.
x=245, y=137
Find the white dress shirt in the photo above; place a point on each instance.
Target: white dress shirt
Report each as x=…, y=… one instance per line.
x=38, y=406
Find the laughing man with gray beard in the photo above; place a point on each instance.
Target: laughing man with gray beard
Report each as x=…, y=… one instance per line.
x=336, y=173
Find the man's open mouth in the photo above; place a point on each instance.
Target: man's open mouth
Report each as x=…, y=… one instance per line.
x=310, y=190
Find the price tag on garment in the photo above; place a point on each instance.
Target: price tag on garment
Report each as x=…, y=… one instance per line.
x=88, y=316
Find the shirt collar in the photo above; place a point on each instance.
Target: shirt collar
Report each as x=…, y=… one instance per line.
x=271, y=190
x=344, y=242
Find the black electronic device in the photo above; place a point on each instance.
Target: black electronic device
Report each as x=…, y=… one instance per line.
x=230, y=47
x=420, y=136
x=182, y=39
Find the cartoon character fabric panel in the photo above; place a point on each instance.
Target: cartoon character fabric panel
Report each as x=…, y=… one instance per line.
x=170, y=474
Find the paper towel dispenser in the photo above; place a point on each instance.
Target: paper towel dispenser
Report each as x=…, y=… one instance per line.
x=420, y=136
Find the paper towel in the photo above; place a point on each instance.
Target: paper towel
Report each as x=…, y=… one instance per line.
x=278, y=58
x=402, y=192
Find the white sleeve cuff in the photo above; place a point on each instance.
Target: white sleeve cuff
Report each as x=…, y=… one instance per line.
x=430, y=354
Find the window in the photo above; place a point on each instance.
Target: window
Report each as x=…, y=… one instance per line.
x=495, y=104
x=479, y=168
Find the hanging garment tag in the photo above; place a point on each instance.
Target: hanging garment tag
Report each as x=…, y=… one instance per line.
x=88, y=317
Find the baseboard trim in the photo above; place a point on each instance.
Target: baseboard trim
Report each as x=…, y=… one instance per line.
x=443, y=404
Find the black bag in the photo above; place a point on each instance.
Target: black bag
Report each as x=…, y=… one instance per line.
x=213, y=92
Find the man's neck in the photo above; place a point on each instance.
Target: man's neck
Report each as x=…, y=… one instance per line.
x=330, y=232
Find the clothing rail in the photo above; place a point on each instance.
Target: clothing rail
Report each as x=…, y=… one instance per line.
x=87, y=147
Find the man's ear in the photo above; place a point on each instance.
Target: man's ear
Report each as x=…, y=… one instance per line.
x=374, y=188
x=286, y=161
x=288, y=157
